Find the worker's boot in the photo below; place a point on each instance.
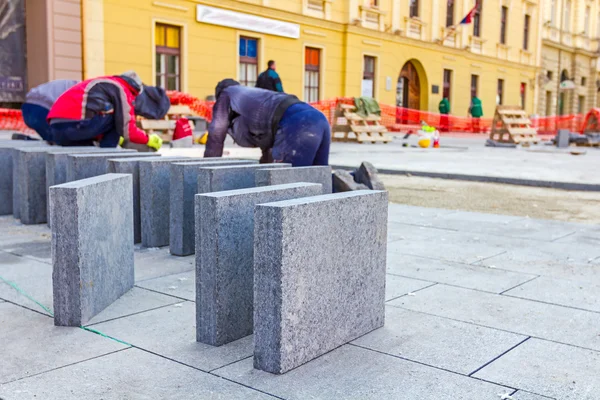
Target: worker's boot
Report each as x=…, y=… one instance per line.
x=343, y=181
x=367, y=174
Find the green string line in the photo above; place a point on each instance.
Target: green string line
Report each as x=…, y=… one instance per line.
x=22, y=292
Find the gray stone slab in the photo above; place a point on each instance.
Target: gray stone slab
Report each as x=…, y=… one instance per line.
x=319, y=273
x=545, y=321
x=56, y=167
x=537, y=229
x=225, y=258
x=92, y=245
x=397, y=231
x=155, y=198
x=183, y=187
x=477, y=277
x=396, y=286
x=181, y=286
x=562, y=138
x=16, y=190
x=38, y=250
x=33, y=345
x=155, y=263
x=451, y=345
x=140, y=375
x=174, y=337
x=83, y=166
x=351, y=372
x=522, y=395
x=280, y=176
x=132, y=166
x=551, y=369
x=422, y=216
x=577, y=294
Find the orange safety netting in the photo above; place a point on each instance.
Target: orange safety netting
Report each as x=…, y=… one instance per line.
x=12, y=120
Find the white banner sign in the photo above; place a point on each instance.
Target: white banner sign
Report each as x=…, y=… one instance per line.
x=232, y=19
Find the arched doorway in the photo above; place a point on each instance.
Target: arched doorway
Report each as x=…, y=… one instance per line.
x=408, y=90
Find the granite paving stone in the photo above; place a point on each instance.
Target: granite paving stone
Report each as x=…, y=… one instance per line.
x=140, y=375
x=15, y=165
x=546, y=321
x=39, y=250
x=181, y=285
x=477, y=277
x=396, y=286
x=225, y=257
x=550, y=369
x=155, y=263
x=278, y=176
x=397, y=231
x=83, y=166
x=183, y=187
x=523, y=395
x=302, y=309
x=536, y=229
x=583, y=236
x=357, y=373
x=422, y=216
x=175, y=337
x=34, y=345
x=439, y=342
x=577, y=294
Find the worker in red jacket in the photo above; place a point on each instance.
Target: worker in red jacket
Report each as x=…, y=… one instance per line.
x=99, y=110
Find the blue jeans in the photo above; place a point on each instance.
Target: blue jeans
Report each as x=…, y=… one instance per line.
x=34, y=117
x=83, y=133
x=303, y=137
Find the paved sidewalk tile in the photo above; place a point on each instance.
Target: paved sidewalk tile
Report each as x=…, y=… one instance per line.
x=452, y=273
x=537, y=229
x=397, y=231
x=522, y=395
x=550, y=369
x=526, y=317
x=396, y=286
x=439, y=342
x=589, y=236
x=351, y=372
x=578, y=294
x=180, y=285
x=33, y=278
x=128, y=374
x=31, y=344
x=412, y=215
x=155, y=263
x=38, y=250
x=171, y=332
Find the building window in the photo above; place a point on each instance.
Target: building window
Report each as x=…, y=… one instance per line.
x=248, y=68
x=523, y=94
x=375, y=3
x=553, y=13
x=598, y=27
x=447, y=89
x=368, y=83
x=414, y=8
x=567, y=16
x=549, y=75
x=167, y=44
x=549, y=103
x=580, y=104
x=586, y=21
x=583, y=81
x=474, y=85
x=503, y=17
x=450, y=13
x=477, y=20
x=500, y=92
x=312, y=74
x=526, y=32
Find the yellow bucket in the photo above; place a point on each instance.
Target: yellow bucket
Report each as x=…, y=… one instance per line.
x=424, y=143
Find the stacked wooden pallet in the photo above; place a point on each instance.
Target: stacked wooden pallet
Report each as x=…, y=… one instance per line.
x=511, y=125
x=165, y=127
x=356, y=128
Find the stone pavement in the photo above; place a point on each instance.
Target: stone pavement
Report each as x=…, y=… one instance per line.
x=478, y=307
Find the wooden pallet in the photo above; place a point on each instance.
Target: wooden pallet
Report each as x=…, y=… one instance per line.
x=165, y=127
x=356, y=128
x=511, y=125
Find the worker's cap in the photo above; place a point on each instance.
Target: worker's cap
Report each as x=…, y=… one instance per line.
x=224, y=84
x=134, y=79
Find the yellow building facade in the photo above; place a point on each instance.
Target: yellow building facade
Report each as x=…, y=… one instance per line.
x=403, y=52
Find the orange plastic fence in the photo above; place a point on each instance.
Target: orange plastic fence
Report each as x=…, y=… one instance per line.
x=396, y=119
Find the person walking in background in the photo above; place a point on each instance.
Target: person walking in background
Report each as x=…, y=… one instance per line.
x=476, y=112
x=100, y=109
x=269, y=79
x=285, y=129
x=38, y=103
x=444, y=108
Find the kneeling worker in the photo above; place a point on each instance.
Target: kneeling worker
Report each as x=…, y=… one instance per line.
x=285, y=129
x=99, y=109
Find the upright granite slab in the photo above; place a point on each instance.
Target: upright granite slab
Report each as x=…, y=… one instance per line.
x=83, y=166
x=31, y=179
x=56, y=167
x=280, y=176
x=132, y=166
x=183, y=187
x=224, y=258
x=16, y=190
x=319, y=275
x=155, y=183
x=92, y=246
x=6, y=166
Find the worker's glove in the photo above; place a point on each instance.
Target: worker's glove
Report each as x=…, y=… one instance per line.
x=121, y=141
x=154, y=141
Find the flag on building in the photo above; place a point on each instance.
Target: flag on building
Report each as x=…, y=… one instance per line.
x=469, y=17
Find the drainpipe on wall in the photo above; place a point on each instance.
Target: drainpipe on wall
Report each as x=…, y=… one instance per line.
x=83, y=64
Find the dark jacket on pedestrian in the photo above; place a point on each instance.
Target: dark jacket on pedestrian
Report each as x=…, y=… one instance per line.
x=250, y=115
x=269, y=80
